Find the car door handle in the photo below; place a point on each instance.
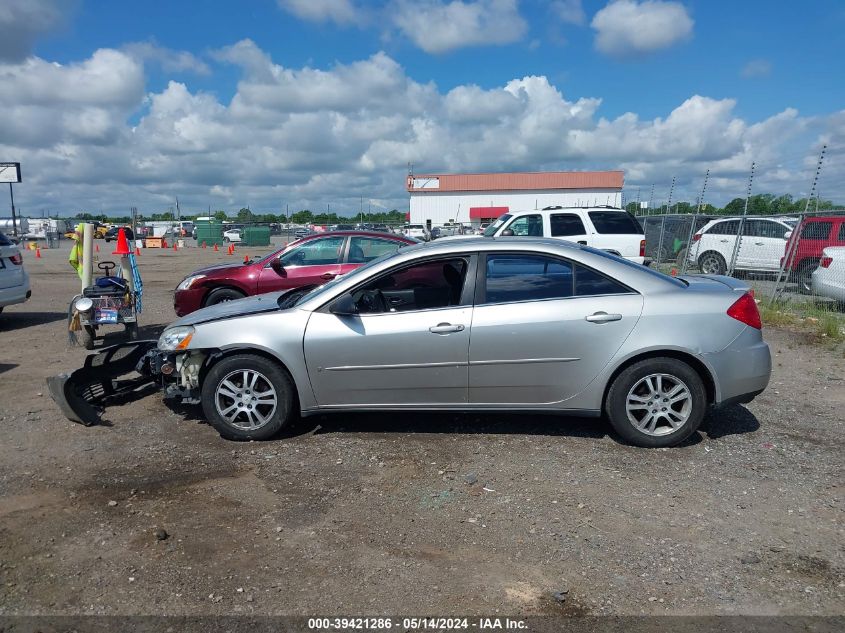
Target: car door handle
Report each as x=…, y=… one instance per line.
x=445, y=328
x=603, y=317
x=584, y=242
x=758, y=243
x=725, y=241
x=328, y=276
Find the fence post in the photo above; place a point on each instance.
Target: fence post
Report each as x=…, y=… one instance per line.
x=741, y=228
x=660, y=241
x=693, y=222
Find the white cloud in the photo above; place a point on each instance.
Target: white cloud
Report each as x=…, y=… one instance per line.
x=169, y=59
x=436, y=26
x=629, y=27
x=569, y=11
x=21, y=22
x=311, y=136
x=757, y=68
x=337, y=11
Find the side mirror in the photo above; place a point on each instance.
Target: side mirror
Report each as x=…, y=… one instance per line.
x=787, y=235
x=507, y=233
x=345, y=305
x=276, y=265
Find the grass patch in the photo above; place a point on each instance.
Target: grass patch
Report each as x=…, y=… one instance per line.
x=820, y=320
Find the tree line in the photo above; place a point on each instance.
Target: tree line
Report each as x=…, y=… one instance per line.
x=759, y=204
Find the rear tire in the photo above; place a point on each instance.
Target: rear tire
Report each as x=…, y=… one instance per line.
x=805, y=277
x=248, y=397
x=221, y=295
x=656, y=402
x=711, y=263
x=681, y=257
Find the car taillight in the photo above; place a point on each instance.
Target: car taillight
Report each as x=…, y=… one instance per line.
x=642, y=248
x=745, y=311
x=696, y=237
x=826, y=262
x=16, y=259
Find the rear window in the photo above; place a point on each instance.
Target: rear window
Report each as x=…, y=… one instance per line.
x=615, y=223
x=816, y=230
x=5, y=241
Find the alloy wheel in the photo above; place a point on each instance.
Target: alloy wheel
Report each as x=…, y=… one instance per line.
x=246, y=399
x=659, y=404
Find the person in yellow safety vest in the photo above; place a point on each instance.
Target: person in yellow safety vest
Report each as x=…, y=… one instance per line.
x=75, y=257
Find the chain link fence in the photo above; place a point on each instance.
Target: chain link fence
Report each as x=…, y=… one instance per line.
x=795, y=262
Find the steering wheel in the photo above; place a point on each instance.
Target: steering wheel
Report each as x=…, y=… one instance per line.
x=372, y=301
x=107, y=267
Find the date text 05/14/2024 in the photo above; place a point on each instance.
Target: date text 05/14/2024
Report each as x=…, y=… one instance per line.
x=412, y=623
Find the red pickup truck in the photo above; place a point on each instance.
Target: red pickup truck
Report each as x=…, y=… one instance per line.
x=814, y=234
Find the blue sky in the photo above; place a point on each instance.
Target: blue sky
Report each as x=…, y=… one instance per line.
x=759, y=80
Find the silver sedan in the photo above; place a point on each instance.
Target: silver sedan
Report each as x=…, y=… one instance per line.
x=505, y=324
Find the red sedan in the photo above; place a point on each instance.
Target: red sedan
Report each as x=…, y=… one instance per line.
x=312, y=260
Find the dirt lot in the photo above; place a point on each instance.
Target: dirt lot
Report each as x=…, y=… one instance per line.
x=408, y=514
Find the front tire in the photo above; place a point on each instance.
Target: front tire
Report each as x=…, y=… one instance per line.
x=247, y=397
x=221, y=295
x=711, y=263
x=657, y=402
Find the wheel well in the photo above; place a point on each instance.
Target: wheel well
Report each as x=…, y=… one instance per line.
x=699, y=367
x=216, y=356
x=223, y=287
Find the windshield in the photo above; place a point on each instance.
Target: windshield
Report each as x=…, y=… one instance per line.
x=490, y=231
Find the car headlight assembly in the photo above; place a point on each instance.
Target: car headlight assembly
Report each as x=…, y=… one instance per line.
x=189, y=281
x=176, y=338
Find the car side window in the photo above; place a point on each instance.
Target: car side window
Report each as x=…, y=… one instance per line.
x=730, y=227
x=527, y=225
x=317, y=252
x=589, y=282
x=516, y=277
x=816, y=230
x=425, y=286
x=365, y=249
x=563, y=224
x=842, y=232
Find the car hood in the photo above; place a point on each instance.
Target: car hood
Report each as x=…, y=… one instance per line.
x=268, y=302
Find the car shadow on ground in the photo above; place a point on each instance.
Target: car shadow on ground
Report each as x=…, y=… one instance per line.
x=11, y=320
x=4, y=367
x=734, y=420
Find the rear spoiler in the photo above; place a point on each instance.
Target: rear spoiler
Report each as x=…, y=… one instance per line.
x=736, y=285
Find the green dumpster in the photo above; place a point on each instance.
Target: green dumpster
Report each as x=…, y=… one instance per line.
x=256, y=236
x=210, y=232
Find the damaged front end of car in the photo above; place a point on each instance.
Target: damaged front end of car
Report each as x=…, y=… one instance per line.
x=129, y=371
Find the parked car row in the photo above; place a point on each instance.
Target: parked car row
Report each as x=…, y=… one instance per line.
x=767, y=244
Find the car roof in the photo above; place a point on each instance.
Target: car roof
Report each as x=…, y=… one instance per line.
x=558, y=209
x=382, y=234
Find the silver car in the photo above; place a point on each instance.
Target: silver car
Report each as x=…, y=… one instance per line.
x=503, y=324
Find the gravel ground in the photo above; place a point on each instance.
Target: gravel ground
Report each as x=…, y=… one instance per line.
x=153, y=513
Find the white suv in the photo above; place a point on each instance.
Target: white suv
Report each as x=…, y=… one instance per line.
x=416, y=230
x=607, y=228
x=761, y=248
x=14, y=282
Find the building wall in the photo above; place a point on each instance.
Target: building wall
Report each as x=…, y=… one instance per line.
x=441, y=207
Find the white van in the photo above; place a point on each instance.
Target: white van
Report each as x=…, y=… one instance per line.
x=607, y=228
x=14, y=282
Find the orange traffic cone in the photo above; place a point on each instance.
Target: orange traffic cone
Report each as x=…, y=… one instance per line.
x=175, y=248
x=122, y=244
x=246, y=258
x=215, y=248
x=230, y=249
x=674, y=272
x=137, y=251
x=37, y=253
